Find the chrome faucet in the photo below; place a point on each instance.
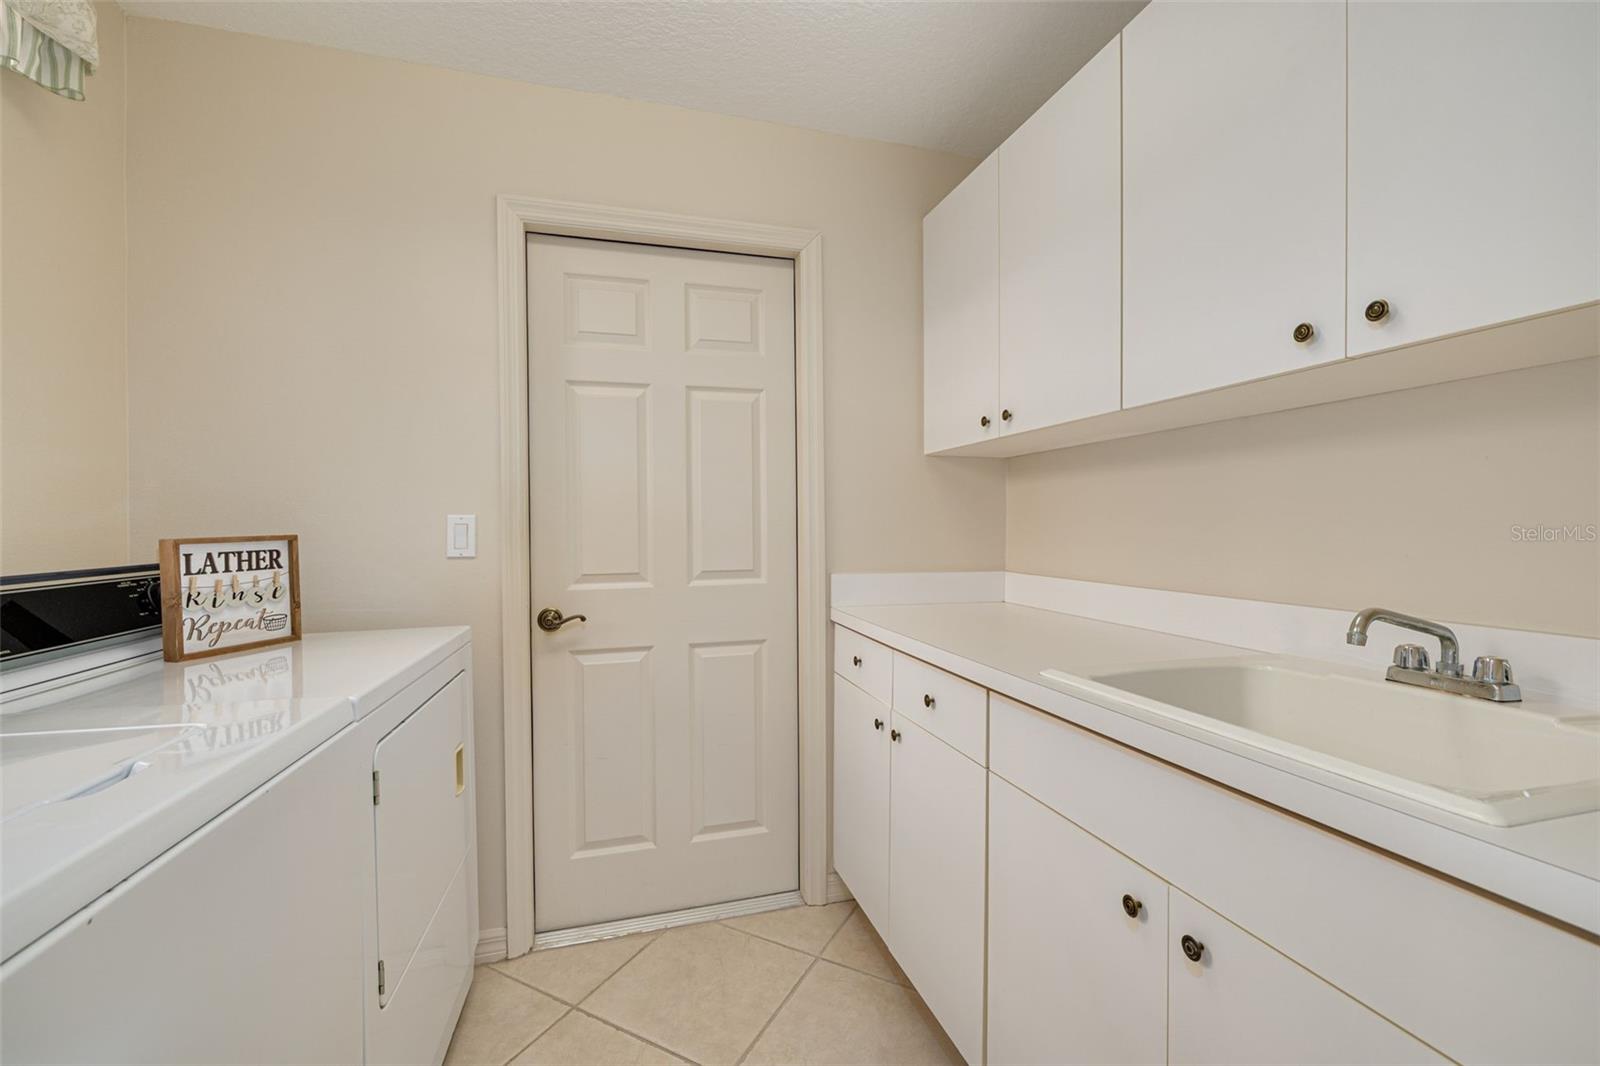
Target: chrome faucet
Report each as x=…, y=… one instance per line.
x=1491, y=676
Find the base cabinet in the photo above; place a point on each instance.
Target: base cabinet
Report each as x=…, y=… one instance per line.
x=1077, y=943
x=861, y=798
x=1242, y=1002
x=1026, y=882
x=909, y=824
x=936, y=843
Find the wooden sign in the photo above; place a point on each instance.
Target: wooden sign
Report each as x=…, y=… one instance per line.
x=224, y=594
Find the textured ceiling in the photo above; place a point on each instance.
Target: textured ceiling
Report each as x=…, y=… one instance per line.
x=957, y=75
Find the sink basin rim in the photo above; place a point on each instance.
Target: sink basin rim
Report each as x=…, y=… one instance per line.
x=1502, y=808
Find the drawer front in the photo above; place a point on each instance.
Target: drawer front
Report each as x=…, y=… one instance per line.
x=951, y=708
x=866, y=663
x=1476, y=979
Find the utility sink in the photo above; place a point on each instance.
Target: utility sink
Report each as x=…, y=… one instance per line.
x=1495, y=763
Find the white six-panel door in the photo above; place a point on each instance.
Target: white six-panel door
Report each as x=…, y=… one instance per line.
x=662, y=457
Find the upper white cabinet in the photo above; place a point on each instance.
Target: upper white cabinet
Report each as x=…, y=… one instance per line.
x=1474, y=182
x=960, y=313
x=1233, y=193
x=1061, y=254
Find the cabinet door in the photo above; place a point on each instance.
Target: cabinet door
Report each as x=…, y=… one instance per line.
x=1073, y=978
x=1233, y=193
x=1473, y=165
x=961, y=314
x=1061, y=253
x=936, y=856
x=1243, y=1002
x=420, y=819
x=861, y=798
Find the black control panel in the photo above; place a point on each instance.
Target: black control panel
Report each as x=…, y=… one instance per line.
x=50, y=612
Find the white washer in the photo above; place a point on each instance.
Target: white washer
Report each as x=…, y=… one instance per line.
x=208, y=861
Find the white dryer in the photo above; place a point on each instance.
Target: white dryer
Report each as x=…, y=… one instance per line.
x=262, y=857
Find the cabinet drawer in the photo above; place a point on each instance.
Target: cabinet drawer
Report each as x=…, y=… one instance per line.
x=952, y=709
x=1474, y=978
x=865, y=662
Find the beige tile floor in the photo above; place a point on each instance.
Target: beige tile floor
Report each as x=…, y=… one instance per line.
x=803, y=985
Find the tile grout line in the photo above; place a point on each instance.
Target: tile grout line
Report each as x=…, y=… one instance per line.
x=574, y=1008
x=626, y=963
x=906, y=984
x=778, y=1010
x=539, y=1034
x=902, y=985
x=535, y=988
x=854, y=908
x=804, y=951
x=636, y=1036
x=815, y=958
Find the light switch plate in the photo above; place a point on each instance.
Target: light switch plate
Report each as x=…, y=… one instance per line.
x=460, y=536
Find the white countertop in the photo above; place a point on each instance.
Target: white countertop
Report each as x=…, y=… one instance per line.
x=1552, y=866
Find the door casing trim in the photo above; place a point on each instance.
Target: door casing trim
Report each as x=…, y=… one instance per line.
x=516, y=217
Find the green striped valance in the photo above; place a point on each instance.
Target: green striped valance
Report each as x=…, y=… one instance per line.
x=35, y=54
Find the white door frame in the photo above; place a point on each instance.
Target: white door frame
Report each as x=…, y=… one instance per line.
x=516, y=217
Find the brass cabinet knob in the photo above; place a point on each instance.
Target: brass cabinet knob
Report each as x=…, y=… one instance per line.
x=551, y=619
x=1377, y=310
x=1005, y=416
x=1192, y=948
x=984, y=421
x=1304, y=332
x=927, y=701
x=894, y=735
x=855, y=660
x=877, y=723
x=1130, y=906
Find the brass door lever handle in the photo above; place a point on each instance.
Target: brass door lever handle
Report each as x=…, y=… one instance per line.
x=551, y=619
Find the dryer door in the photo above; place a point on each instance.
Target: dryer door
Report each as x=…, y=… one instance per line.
x=422, y=821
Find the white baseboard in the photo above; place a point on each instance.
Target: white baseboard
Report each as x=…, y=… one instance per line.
x=837, y=891
x=583, y=934
x=961, y=586
x=1553, y=665
x=491, y=946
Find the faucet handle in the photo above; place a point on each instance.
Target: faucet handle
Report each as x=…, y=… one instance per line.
x=1491, y=669
x=1411, y=657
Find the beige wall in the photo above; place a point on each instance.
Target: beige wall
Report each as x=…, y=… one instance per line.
x=63, y=319
x=1405, y=500
x=312, y=340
